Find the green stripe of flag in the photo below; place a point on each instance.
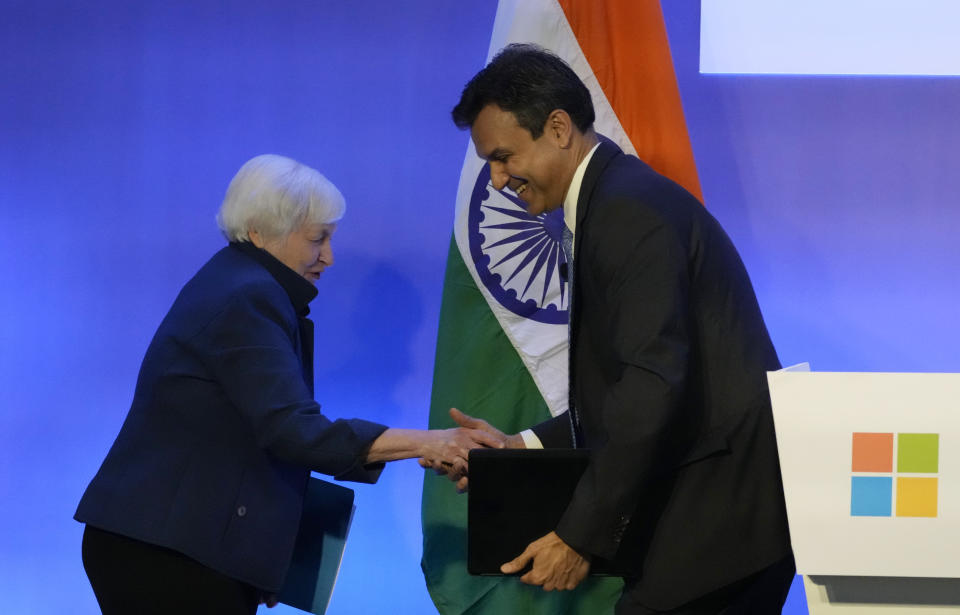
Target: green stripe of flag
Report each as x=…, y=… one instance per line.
x=478, y=371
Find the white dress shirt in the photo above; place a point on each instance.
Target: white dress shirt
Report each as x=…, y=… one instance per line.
x=530, y=439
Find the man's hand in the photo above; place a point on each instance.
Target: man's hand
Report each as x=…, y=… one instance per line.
x=456, y=469
x=555, y=564
x=470, y=422
x=449, y=448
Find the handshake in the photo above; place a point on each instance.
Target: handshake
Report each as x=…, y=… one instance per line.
x=446, y=450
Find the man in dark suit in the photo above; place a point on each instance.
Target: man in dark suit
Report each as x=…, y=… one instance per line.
x=668, y=361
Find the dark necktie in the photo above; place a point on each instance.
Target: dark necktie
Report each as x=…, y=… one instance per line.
x=571, y=404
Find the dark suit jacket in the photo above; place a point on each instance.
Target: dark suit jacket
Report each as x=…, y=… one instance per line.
x=214, y=455
x=668, y=365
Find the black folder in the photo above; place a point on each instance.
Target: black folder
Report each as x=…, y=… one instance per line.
x=516, y=496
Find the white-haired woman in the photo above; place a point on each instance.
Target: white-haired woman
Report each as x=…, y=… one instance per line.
x=196, y=506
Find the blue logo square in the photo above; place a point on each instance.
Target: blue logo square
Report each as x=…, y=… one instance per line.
x=871, y=496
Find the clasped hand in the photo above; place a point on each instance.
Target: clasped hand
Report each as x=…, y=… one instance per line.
x=447, y=449
x=471, y=433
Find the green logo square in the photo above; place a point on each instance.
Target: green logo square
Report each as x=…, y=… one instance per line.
x=918, y=452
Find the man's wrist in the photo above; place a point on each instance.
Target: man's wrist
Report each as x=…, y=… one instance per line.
x=527, y=438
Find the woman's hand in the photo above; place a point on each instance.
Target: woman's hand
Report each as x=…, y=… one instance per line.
x=480, y=431
x=443, y=449
x=449, y=448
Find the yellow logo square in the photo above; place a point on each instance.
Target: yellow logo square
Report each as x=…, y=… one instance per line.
x=916, y=496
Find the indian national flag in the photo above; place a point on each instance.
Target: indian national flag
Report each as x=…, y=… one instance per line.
x=502, y=343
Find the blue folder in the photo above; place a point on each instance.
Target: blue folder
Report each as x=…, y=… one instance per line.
x=327, y=514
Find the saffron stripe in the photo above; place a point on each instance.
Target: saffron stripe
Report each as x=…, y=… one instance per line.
x=626, y=45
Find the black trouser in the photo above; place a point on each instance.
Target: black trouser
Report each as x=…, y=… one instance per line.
x=133, y=577
x=762, y=593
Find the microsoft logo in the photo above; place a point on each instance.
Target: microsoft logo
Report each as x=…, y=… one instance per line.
x=873, y=492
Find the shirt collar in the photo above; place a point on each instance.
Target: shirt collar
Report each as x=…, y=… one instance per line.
x=297, y=287
x=573, y=192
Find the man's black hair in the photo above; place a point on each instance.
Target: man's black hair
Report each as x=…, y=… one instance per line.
x=530, y=82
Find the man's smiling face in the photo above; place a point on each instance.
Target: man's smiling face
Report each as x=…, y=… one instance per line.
x=537, y=170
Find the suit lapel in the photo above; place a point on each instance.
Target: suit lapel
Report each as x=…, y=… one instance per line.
x=601, y=158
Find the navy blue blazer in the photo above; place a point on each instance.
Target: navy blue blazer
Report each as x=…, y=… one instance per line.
x=669, y=354
x=214, y=455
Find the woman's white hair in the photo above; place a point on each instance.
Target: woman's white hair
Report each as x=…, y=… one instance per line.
x=275, y=195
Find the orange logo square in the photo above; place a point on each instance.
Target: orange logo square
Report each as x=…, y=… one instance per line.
x=872, y=452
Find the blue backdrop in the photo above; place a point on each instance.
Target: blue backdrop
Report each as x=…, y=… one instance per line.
x=121, y=124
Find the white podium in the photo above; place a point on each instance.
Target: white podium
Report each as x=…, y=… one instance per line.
x=871, y=473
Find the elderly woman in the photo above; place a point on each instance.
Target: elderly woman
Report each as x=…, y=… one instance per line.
x=196, y=506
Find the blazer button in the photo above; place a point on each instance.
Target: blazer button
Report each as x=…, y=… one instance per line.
x=241, y=511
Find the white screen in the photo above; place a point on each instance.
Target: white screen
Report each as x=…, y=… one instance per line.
x=830, y=37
